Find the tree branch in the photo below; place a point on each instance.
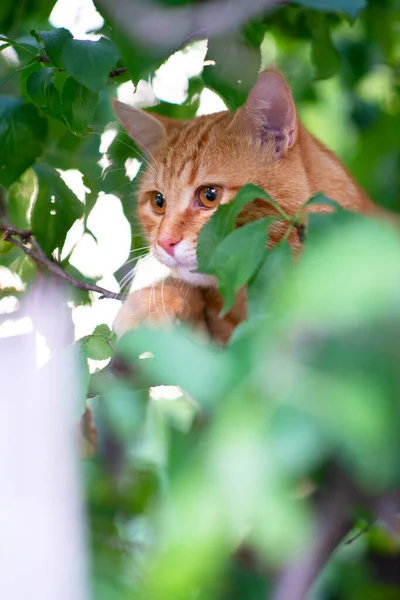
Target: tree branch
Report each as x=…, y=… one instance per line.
x=31, y=248
x=331, y=525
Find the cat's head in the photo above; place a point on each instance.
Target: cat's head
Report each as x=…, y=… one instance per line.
x=195, y=165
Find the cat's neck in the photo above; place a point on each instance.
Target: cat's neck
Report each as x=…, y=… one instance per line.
x=327, y=174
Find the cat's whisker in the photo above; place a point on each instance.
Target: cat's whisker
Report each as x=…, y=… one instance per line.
x=142, y=157
x=130, y=273
x=135, y=258
x=109, y=171
x=163, y=303
x=149, y=310
x=154, y=297
x=127, y=279
x=148, y=163
x=139, y=249
x=140, y=260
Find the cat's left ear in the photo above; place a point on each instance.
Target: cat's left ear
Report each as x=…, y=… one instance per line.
x=146, y=129
x=270, y=111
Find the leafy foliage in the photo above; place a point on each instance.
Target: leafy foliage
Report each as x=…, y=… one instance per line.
x=207, y=490
x=100, y=58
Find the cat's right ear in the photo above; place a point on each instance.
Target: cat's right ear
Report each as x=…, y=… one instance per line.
x=143, y=128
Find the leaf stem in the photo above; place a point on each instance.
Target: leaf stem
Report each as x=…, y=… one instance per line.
x=13, y=43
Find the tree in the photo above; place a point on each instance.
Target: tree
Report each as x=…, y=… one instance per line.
x=243, y=483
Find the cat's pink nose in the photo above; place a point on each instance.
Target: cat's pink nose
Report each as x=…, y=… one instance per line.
x=168, y=244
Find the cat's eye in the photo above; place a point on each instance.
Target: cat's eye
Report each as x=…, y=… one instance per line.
x=158, y=202
x=209, y=196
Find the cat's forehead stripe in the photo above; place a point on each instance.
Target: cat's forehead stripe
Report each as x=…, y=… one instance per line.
x=184, y=156
x=176, y=146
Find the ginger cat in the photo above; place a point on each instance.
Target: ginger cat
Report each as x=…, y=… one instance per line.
x=198, y=164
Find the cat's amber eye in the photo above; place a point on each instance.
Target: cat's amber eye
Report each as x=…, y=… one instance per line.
x=158, y=202
x=209, y=196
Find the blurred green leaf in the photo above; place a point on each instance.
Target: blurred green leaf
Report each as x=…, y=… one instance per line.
x=11, y=18
x=122, y=406
x=273, y=269
x=325, y=56
x=236, y=68
x=351, y=7
x=22, y=137
x=199, y=369
x=349, y=253
x=5, y=248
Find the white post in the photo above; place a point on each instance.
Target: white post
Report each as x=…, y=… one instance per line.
x=42, y=551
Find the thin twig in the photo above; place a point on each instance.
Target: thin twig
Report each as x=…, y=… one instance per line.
x=117, y=72
x=56, y=270
x=31, y=248
x=332, y=523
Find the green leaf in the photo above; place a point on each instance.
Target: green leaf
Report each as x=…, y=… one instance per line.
x=237, y=258
x=325, y=56
x=100, y=343
x=54, y=97
x=223, y=222
x=27, y=43
x=5, y=248
x=53, y=44
x=96, y=348
x=273, y=269
x=36, y=86
x=19, y=199
x=78, y=105
x=12, y=16
x=335, y=282
x=351, y=7
x=202, y=370
x=55, y=210
x=24, y=48
x=141, y=60
x=321, y=200
x=123, y=408
x=90, y=62
x=23, y=134
x=235, y=70
x=78, y=296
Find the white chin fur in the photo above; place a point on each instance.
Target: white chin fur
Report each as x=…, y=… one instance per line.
x=185, y=272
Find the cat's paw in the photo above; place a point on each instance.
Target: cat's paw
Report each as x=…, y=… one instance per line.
x=167, y=303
